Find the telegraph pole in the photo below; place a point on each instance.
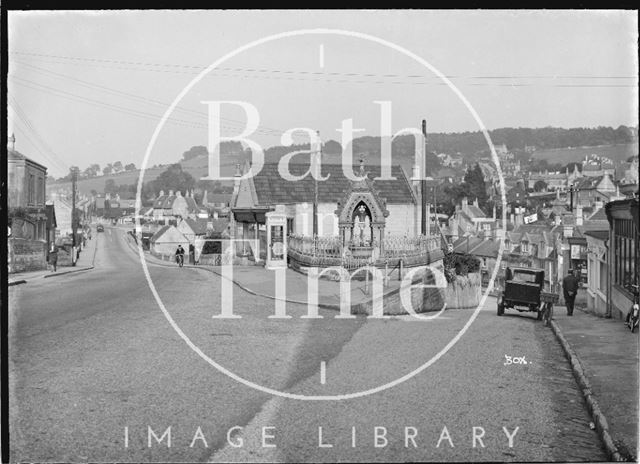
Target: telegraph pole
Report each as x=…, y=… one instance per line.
x=74, y=180
x=316, y=173
x=423, y=180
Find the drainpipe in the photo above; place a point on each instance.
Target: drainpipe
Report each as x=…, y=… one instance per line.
x=607, y=247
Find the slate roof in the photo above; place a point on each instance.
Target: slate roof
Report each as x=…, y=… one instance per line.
x=164, y=201
x=199, y=226
x=159, y=233
x=16, y=155
x=272, y=189
x=475, y=211
x=588, y=182
x=487, y=248
x=460, y=245
x=219, y=198
x=599, y=215
x=599, y=234
x=219, y=225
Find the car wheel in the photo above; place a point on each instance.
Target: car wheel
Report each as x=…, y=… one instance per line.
x=500, y=309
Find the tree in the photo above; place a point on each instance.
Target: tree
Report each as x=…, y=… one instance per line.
x=108, y=169
x=540, y=186
x=94, y=192
x=474, y=178
x=174, y=178
x=117, y=166
x=110, y=187
x=194, y=152
x=130, y=167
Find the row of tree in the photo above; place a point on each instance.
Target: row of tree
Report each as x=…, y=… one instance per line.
x=541, y=138
x=94, y=170
x=173, y=178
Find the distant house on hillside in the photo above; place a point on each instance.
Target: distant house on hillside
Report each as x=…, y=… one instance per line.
x=173, y=207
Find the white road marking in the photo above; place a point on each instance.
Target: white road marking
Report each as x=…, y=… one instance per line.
x=323, y=372
x=322, y=55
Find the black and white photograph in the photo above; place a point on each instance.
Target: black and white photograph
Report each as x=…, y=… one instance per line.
x=317, y=235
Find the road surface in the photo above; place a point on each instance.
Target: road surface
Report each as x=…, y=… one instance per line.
x=97, y=373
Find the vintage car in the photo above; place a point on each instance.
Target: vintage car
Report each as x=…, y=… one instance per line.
x=523, y=291
x=99, y=228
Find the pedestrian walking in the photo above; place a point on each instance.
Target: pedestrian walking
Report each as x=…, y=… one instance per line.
x=53, y=257
x=192, y=254
x=570, y=286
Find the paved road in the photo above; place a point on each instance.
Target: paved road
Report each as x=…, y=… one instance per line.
x=91, y=354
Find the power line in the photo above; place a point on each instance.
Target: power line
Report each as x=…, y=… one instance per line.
x=236, y=125
x=264, y=129
x=369, y=82
x=198, y=68
x=55, y=159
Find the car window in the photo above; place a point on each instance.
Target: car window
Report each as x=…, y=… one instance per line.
x=524, y=277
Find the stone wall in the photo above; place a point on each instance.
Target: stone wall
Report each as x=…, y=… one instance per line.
x=26, y=255
x=464, y=292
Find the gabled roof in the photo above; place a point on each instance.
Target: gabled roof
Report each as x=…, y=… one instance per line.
x=599, y=215
x=219, y=225
x=486, y=248
x=159, y=233
x=198, y=226
x=475, y=212
x=16, y=155
x=272, y=189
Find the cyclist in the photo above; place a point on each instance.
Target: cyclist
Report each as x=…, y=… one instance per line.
x=180, y=255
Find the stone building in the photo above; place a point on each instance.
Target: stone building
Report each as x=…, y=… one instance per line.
x=31, y=227
x=174, y=206
x=369, y=218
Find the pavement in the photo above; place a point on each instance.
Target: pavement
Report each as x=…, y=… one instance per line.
x=85, y=262
x=603, y=354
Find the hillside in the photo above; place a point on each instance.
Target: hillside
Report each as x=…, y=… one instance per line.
x=617, y=153
x=552, y=144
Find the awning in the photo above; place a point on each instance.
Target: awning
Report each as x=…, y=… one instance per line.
x=251, y=215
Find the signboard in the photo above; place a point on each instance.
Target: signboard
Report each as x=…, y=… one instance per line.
x=277, y=245
x=531, y=218
x=575, y=251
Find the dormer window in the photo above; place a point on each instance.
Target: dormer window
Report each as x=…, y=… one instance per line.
x=507, y=245
x=525, y=247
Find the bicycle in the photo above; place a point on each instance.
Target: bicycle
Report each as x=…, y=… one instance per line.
x=180, y=260
x=633, y=316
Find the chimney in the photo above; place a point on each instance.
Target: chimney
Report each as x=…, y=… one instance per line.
x=179, y=193
x=170, y=193
x=475, y=202
x=161, y=193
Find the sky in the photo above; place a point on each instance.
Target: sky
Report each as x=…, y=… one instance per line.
x=91, y=87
